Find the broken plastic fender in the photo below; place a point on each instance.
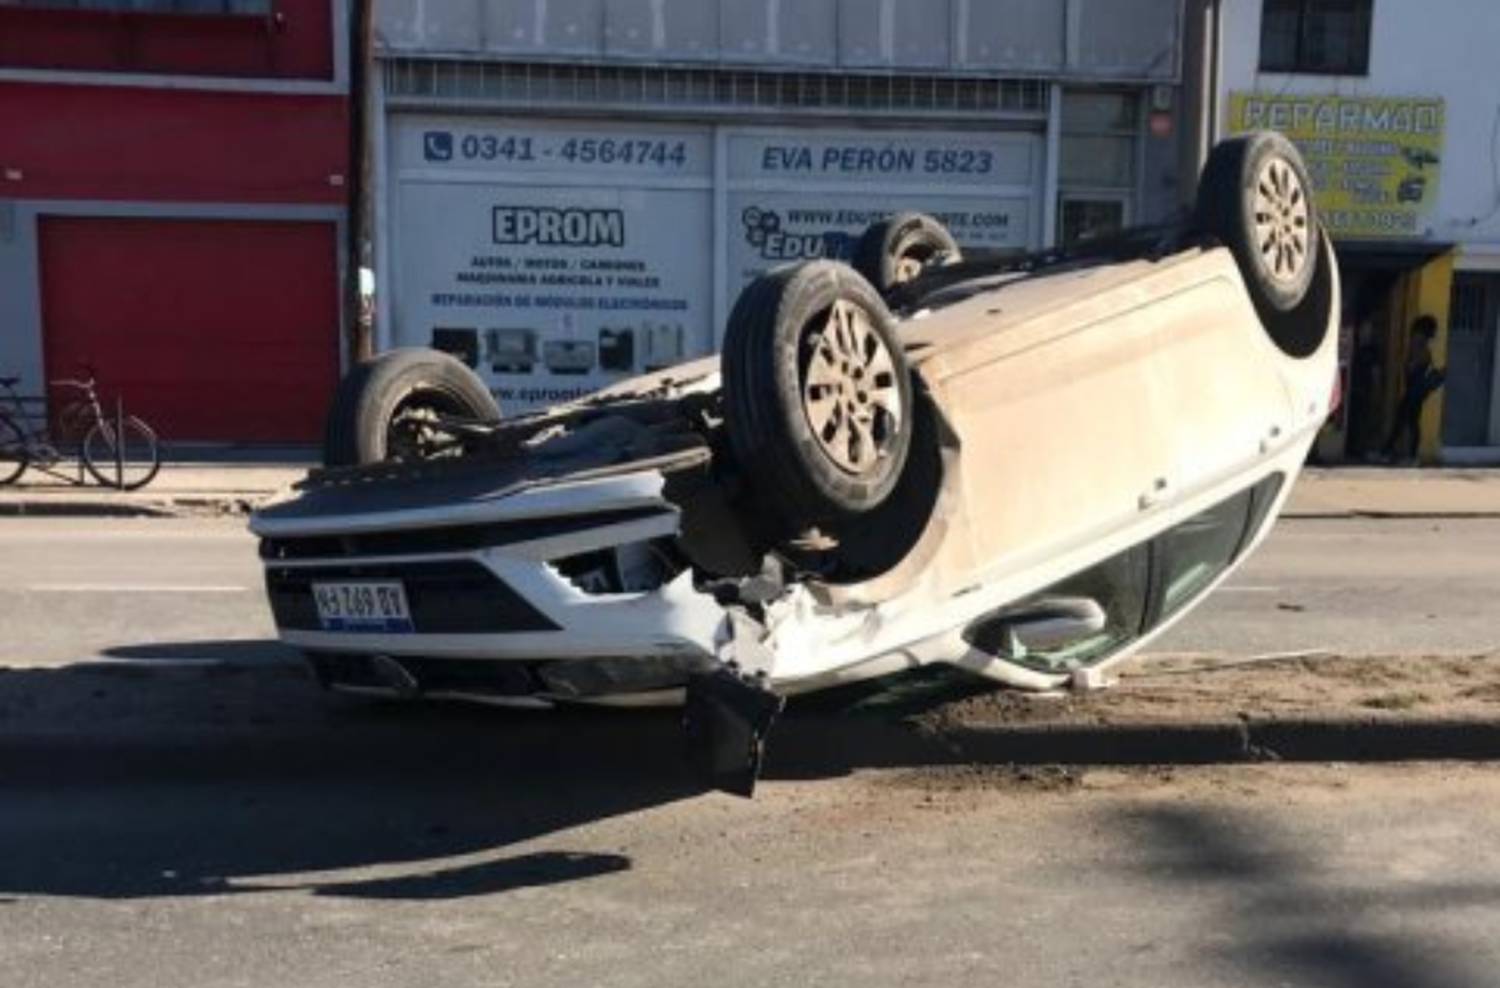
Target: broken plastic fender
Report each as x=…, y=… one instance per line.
x=725, y=722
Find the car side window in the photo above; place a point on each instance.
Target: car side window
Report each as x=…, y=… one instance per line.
x=1139, y=588
x=1192, y=555
x=1198, y=550
x=1119, y=585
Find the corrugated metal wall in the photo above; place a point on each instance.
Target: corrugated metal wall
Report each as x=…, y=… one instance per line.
x=1107, y=39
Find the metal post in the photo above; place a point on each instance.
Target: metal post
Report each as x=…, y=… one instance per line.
x=357, y=223
x=119, y=443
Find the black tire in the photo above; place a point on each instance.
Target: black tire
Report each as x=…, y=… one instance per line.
x=898, y=248
x=817, y=394
x=397, y=405
x=127, y=459
x=13, y=455
x=1255, y=196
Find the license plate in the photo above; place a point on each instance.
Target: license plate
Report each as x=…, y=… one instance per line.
x=368, y=605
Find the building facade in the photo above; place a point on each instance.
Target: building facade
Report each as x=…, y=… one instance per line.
x=1401, y=142
x=570, y=191
x=172, y=206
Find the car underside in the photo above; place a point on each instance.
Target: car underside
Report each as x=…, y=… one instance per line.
x=1022, y=467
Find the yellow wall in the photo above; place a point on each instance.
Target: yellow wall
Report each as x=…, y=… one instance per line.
x=1425, y=291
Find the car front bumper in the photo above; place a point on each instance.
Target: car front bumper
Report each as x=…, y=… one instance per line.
x=555, y=582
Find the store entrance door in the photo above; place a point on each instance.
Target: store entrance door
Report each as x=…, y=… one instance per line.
x=1367, y=318
x=1471, y=360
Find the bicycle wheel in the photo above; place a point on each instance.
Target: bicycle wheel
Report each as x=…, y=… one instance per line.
x=127, y=461
x=13, y=455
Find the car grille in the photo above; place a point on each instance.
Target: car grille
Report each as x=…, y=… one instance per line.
x=450, y=597
x=431, y=675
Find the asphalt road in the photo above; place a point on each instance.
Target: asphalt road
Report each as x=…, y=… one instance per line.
x=193, y=813
x=74, y=589
x=1356, y=586
x=420, y=856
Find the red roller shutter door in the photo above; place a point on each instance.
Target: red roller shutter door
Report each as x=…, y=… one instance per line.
x=211, y=330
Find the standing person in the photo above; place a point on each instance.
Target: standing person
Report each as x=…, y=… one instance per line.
x=1421, y=378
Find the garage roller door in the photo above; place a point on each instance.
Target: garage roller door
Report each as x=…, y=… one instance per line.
x=211, y=330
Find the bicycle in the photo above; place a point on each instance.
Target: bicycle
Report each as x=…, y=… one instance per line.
x=118, y=450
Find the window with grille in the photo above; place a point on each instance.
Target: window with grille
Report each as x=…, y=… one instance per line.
x=1317, y=37
x=1097, y=162
x=1470, y=305
x=1089, y=217
x=422, y=82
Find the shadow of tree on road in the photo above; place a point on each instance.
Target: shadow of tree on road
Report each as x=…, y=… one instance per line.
x=1287, y=918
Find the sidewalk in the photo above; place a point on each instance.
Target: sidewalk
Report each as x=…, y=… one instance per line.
x=209, y=482
x=233, y=482
x=1396, y=492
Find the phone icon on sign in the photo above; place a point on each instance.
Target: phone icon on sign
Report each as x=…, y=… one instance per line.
x=437, y=145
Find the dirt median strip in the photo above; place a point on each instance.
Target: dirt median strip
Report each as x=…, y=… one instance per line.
x=1168, y=711
x=1192, y=710
x=1222, y=689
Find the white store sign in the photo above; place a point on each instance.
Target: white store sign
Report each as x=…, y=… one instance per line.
x=557, y=257
x=796, y=195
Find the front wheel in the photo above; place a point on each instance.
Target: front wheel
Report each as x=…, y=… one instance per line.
x=407, y=404
x=126, y=458
x=13, y=456
x=899, y=248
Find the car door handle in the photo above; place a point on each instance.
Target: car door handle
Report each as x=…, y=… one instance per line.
x=1153, y=495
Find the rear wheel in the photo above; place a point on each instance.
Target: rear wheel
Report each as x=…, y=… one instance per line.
x=406, y=404
x=817, y=393
x=13, y=457
x=124, y=456
x=898, y=249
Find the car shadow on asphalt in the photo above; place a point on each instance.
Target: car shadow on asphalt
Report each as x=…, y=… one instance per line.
x=212, y=768
x=216, y=779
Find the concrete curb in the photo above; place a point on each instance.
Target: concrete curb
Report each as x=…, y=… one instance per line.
x=801, y=748
x=128, y=507
x=809, y=749
x=1342, y=514
x=1309, y=739
x=40, y=508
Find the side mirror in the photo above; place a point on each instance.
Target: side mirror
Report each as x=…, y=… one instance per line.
x=1041, y=624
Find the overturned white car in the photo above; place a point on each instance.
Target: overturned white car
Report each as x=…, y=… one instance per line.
x=1024, y=468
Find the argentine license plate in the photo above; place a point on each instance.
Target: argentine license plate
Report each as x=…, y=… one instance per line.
x=366, y=605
